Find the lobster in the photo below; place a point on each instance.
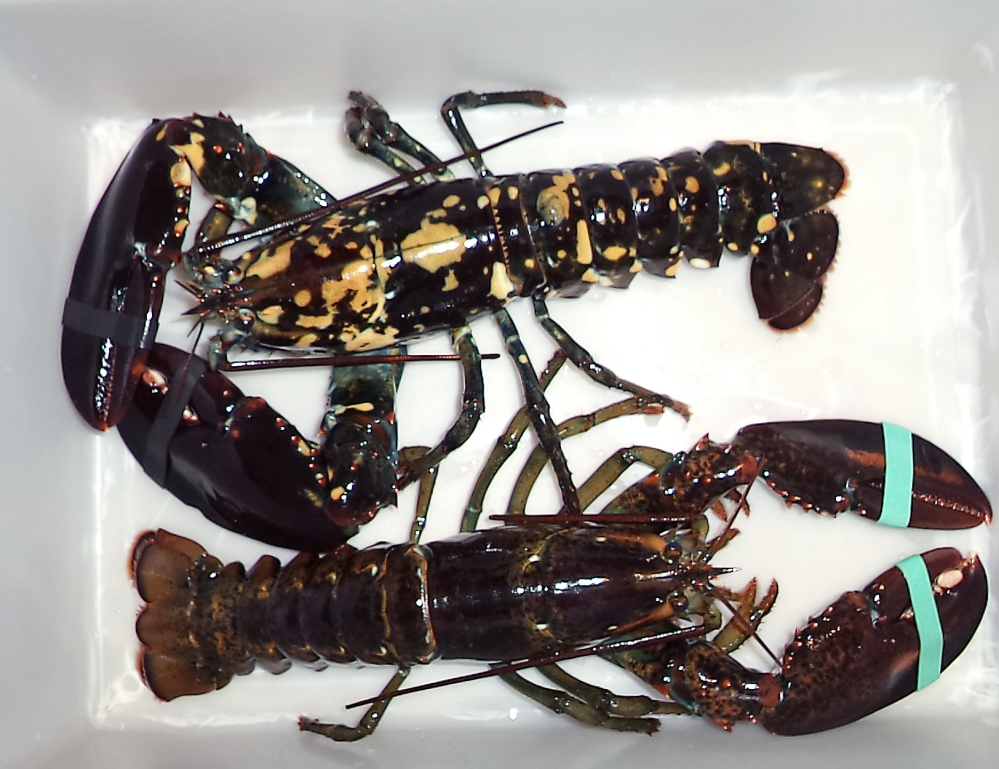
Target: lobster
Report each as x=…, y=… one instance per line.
x=634, y=583
x=397, y=266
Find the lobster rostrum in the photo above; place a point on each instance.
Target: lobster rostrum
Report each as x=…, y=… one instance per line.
x=542, y=588
x=403, y=264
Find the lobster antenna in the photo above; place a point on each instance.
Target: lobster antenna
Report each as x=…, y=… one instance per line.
x=340, y=360
x=636, y=518
x=308, y=216
x=502, y=669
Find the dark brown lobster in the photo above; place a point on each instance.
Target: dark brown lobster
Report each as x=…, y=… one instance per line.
x=540, y=589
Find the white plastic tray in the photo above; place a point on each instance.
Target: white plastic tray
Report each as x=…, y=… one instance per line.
x=906, y=334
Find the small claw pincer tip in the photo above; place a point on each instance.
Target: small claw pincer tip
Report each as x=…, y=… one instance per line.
x=874, y=647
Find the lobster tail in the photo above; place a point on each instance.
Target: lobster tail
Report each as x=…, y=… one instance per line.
x=178, y=660
x=770, y=196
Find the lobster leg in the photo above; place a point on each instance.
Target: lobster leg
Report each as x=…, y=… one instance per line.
x=598, y=373
x=451, y=112
x=373, y=132
x=539, y=412
x=472, y=407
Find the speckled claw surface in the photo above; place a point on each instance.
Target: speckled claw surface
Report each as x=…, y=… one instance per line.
x=867, y=650
x=864, y=652
x=839, y=464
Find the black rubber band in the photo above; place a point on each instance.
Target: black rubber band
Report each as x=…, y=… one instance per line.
x=107, y=324
x=156, y=456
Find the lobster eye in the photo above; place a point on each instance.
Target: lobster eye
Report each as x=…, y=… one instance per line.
x=678, y=600
x=245, y=317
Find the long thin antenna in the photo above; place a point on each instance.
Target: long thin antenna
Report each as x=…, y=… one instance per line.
x=339, y=360
x=512, y=667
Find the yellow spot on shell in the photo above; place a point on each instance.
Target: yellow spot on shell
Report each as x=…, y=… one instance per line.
x=271, y=261
x=513, y=192
x=303, y=297
x=590, y=276
x=553, y=201
x=494, y=195
x=616, y=174
x=194, y=152
x=766, y=223
x=271, y=315
x=691, y=185
x=451, y=201
x=482, y=201
x=500, y=285
x=450, y=281
x=584, y=249
x=363, y=407
x=334, y=223
x=614, y=252
x=372, y=339
x=307, y=340
x=180, y=174
x=658, y=184
x=433, y=246
x=723, y=169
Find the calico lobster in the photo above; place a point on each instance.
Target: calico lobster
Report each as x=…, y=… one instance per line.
x=633, y=583
x=387, y=268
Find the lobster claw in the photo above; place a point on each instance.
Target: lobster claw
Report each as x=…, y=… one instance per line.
x=874, y=647
x=882, y=472
x=867, y=650
x=111, y=314
x=136, y=234
x=233, y=457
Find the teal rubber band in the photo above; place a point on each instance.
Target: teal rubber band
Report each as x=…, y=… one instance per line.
x=896, y=508
x=924, y=607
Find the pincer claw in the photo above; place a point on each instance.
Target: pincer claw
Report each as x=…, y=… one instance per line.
x=880, y=471
x=873, y=647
